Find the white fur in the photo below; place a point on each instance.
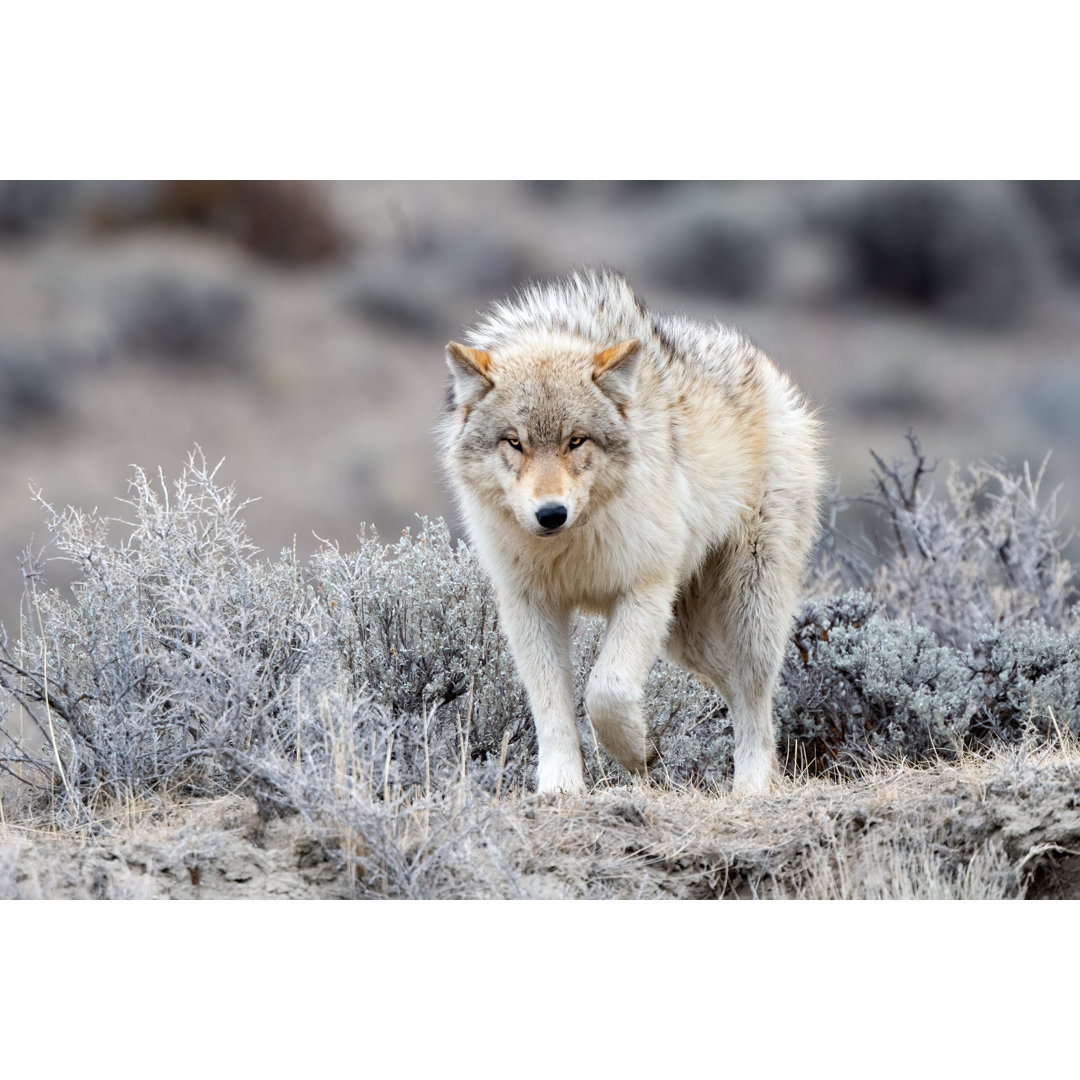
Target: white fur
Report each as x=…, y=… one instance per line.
x=692, y=506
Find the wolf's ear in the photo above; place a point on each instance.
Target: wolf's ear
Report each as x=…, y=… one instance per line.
x=615, y=370
x=471, y=370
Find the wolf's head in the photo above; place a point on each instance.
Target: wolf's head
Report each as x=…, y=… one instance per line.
x=542, y=429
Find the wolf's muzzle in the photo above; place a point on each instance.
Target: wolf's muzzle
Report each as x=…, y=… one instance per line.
x=551, y=516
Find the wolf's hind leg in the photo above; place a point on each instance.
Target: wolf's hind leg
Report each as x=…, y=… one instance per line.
x=540, y=641
x=731, y=628
x=637, y=626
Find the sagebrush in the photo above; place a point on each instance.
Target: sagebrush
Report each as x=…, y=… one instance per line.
x=370, y=685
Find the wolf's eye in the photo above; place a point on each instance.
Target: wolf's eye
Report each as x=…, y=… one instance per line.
x=576, y=441
x=515, y=443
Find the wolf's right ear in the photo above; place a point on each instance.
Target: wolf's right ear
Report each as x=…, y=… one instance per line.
x=470, y=368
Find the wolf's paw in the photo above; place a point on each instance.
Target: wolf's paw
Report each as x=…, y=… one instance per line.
x=757, y=779
x=560, y=778
x=557, y=798
x=615, y=713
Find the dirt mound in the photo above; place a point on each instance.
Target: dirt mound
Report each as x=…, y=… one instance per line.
x=1007, y=828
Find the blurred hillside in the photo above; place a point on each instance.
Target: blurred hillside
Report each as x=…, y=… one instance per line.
x=297, y=329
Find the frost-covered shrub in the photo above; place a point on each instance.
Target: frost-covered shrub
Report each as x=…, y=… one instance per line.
x=1025, y=677
x=988, y=554
x=818, y=616
x=183, y=660
x=858, y=685
x=417, y=630
x=691, y=727
x=174, y=643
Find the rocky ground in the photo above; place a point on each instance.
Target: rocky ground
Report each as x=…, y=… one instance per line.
x=998, y=828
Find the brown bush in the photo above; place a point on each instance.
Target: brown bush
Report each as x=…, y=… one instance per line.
x=285, y=221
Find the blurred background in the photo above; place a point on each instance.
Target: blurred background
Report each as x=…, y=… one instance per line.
x=297, y=329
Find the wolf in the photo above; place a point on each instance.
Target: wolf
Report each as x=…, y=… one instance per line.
x=648, y=468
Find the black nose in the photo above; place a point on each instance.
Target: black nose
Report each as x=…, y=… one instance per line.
x=551, y=515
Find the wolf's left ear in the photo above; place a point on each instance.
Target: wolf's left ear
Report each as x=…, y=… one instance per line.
x=615, y=370
x=471, y=370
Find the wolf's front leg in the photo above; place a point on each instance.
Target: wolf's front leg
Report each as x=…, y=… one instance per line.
x=637, y=627
x=540, y=639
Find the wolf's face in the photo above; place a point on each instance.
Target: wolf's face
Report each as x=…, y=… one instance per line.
x=544, y=435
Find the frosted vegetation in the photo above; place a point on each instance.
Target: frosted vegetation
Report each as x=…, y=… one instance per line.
x=184, y=662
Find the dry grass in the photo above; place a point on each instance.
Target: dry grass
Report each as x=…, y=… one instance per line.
x=988, y=828
x=997, y=827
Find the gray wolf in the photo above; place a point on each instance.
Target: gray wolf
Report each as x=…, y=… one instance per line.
x=658, y=471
